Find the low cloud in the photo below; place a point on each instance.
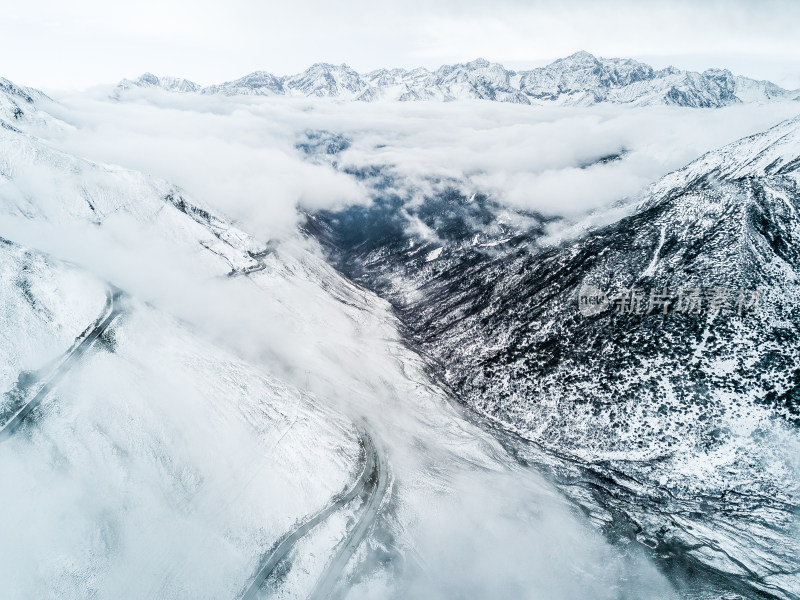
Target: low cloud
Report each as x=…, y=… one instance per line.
x=242, y=164
x=299, y=320
x=239, y=154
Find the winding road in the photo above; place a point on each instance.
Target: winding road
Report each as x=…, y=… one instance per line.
x=327, y=582
x=373, y=477
x=372, y=482
x=111, y=311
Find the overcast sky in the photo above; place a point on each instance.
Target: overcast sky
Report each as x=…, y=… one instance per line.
x=55, y=44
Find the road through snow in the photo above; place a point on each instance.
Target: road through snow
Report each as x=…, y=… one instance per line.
x=111, y=311
x=327, y=582
x=373, y=475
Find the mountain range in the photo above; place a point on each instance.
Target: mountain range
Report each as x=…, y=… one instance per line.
x=577, y=80
x=461, y=351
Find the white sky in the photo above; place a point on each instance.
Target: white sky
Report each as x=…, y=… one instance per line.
x=55, y=44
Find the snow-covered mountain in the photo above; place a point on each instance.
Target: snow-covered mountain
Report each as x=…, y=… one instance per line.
x=17, y=105
x=579, y=79
x=156, y=428
x=673, y=424
x=43, y=184
x=171, y=84
x=146, y=452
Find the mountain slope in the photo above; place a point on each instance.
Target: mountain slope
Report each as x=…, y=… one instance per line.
x=18, y=106
x=179, y=450
x=674, y=413
x=151, y=449
x=41, y=184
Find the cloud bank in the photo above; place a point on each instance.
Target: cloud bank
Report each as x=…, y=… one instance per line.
x=239, y=155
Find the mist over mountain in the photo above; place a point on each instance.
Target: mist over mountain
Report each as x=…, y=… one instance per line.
x=258, y=344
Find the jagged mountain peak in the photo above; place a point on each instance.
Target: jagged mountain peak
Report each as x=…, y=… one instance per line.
x=148, y=77
x=473, y=65
x=479, y=63
x=581, y=57
x=326, y=66
x=714, y=72
x=255, y=83
x=579, y=79
x=327, y=80
x=168, y=83
x=586, y=60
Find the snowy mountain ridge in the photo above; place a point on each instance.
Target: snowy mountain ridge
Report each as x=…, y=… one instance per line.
x=687, y=403
x=16, y=102
x=577, y=80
